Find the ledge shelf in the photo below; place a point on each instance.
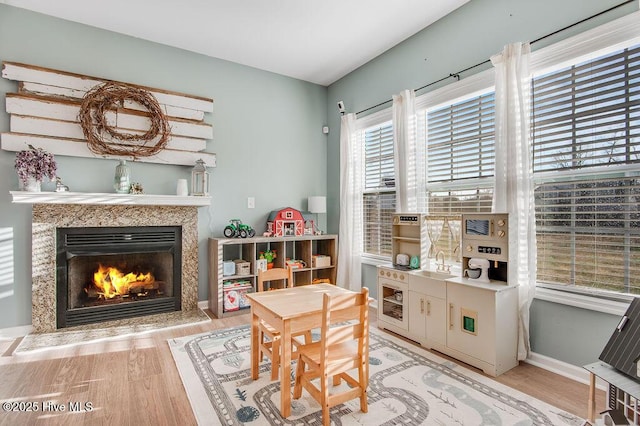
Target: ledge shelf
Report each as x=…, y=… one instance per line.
x=26, y=197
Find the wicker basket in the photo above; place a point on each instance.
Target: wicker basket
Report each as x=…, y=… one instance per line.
x=242, y=267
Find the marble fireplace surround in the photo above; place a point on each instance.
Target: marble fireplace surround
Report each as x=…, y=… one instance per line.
x=73, y=210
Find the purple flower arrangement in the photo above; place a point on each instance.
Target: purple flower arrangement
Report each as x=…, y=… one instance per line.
x=36, y=163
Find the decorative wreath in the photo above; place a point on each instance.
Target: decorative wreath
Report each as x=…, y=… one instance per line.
x=110, y=96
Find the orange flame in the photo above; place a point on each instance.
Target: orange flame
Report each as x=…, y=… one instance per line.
x=111, y=281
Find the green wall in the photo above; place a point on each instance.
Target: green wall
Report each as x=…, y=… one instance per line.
x=568, y=333
x=466, y=37
x=267, y=136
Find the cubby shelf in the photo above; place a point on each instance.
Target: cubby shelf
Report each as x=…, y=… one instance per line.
x=302, y=248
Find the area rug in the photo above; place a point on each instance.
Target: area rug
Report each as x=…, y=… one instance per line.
x=408, y=386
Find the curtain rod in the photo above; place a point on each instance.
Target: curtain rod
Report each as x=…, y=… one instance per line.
x=457, y=74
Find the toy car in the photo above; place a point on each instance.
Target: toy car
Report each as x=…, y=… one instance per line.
x=238, y=229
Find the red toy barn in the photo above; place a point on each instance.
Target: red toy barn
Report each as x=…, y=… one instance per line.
x=289, y=222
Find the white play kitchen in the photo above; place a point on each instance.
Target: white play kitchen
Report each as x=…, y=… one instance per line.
x=470, y=315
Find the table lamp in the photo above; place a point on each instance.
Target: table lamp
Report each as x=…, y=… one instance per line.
x=317, y=205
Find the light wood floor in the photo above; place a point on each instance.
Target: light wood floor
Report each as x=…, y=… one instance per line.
x=133, y=381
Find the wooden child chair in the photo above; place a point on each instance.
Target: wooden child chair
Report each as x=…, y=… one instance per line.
x=269, y=338
x=343, y=346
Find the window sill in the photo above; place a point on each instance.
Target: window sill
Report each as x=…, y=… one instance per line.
x=374, y=261
x=584, y=301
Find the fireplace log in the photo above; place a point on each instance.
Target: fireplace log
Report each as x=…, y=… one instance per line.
x=140, y=287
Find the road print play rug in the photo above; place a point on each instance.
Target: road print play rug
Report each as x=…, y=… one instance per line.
x=408, y=386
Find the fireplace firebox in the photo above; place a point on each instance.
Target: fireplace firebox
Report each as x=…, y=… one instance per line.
x=110, y=273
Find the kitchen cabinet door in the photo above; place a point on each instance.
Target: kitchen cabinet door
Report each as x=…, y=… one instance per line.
x=436, y=321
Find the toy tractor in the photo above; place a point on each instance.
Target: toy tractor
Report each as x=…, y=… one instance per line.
x=238, y=229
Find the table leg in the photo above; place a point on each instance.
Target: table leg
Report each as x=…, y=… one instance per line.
x=285, y=370
x=592, y=398
x=255, y=346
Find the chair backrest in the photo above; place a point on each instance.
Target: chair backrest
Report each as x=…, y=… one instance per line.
x=345, y=318
x=275, y=274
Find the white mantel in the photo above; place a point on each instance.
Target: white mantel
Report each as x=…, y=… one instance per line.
x=26, y=197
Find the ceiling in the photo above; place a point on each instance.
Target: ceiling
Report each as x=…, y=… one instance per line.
x=318, y=41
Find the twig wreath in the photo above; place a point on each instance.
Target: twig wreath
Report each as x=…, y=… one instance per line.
x=110, y=96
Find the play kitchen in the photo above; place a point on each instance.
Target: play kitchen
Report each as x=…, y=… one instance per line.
x=471, y=315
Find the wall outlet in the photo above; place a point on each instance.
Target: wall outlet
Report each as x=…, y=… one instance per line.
x=251, y=203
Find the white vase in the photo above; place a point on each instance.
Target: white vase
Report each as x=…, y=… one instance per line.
x=182, y=188
x=31, y=185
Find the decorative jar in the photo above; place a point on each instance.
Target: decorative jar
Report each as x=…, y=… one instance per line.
x=122, y=179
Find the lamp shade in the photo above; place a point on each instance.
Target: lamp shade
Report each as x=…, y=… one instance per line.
x=317, y=204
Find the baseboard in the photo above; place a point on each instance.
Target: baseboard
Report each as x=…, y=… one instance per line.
x=203, y=304
x=562, y=368
x=15, y=332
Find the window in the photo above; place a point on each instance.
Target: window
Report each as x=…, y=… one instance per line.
x=379, y=196
x=586, y=151
x=460, y=161
x=585, y=128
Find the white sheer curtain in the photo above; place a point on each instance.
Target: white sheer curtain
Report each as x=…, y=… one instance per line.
x=514, y=187
x=408, y=155
x=350, y=234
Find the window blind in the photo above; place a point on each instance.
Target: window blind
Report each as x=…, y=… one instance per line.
x=588, y=114
x=379, y=198
x=378, y=157
x=455, y=202
x=378, y=210
x=588, y=233
x=461, y=140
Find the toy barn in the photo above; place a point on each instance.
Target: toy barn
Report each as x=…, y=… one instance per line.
x=289, y=222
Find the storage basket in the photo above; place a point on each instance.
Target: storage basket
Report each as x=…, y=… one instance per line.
x=320, y=261
x=242, y=267
x=235, y=295
x=228, y=268
x=231, y=300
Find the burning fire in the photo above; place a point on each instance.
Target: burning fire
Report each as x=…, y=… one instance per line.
x=111, y=282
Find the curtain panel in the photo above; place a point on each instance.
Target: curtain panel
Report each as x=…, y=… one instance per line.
x=408, y=154
x=351, y=187
x=513, y=192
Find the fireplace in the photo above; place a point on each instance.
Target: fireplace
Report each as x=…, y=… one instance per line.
x=110, y=273
x=54, y=211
